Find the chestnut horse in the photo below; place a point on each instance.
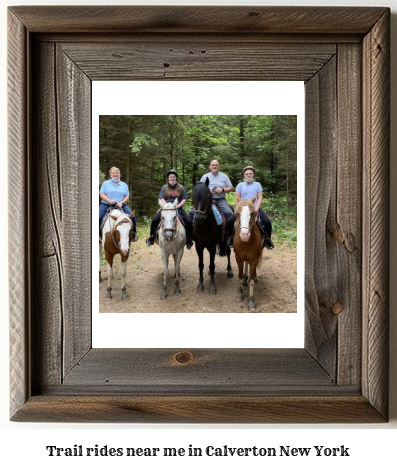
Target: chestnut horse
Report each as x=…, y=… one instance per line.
x=248, y=245
x=116, y=239
x=207, y=234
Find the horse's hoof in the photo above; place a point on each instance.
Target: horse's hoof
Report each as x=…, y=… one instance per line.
x=256, y=280
x=200, y=288
x=125, y=297
x=251, y=306
x=109, y=296
x=100, y=278
x=239, y=297
x=213, y=290
x=177, y=291
x=230, y=274
x=163, y=296
x=245, y=283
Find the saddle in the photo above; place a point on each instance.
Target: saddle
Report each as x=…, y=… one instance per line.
x=220, y=220
x=105, y=217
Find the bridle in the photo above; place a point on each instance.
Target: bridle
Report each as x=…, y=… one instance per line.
x=203, y=214
x=121, y=220
x=253, y=218
x=174, y=227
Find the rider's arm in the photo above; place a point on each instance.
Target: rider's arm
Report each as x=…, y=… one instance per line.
x=259, y=198
x=105, y=198
x=179, y=205
x=238, y=196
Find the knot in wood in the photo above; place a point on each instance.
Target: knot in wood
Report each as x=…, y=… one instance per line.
x=183, y=358
x=337, y=308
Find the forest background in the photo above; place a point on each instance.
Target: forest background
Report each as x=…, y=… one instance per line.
x=144, y=148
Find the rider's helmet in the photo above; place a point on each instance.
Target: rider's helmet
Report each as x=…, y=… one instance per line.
x=249, y=167
x=172, y=171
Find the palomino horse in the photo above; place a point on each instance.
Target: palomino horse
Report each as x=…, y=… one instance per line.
x=248, y=245
x=207, y=233
x=171, y=240
x=116, y=239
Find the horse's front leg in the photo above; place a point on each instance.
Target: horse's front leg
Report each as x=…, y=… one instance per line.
x=212, y=271
x=110, y=277
x=229, y=266
x=100, y=261
x=200, y=254
x=177, y=265
x=240, y=295
x=251, y=304
x=123, y=273
x=165, y=257
x=245, y=273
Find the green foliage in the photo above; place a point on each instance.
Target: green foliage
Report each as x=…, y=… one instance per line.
x=283, y=219
x=146, y=147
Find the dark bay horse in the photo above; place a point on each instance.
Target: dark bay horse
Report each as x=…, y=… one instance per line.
x=207, y=234
x=248, y=245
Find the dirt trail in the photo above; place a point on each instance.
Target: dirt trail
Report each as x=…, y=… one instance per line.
x=276, y=290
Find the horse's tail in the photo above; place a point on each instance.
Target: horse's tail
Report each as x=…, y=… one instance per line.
x=221, y=249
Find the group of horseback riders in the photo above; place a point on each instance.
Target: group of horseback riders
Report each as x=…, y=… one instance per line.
x=115, y=193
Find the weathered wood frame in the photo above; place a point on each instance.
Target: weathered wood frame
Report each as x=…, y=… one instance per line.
x=342, y=54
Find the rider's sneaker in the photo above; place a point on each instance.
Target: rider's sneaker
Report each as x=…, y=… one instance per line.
x=230, y=242
x=189, y=244
x=150, y=241
x=134, y=237
x=269, y=244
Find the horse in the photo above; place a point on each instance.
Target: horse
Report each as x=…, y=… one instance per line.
x=116, y=239
x=171, y=240
x=248, y=245
x=207, y=234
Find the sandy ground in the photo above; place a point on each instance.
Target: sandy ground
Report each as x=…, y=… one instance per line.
x=276, y=290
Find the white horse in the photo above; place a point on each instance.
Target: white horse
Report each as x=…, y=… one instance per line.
x=171, y=240
x=116, y=239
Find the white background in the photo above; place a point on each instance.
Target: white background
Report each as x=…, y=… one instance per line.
x=223, y=330
x=23, y=445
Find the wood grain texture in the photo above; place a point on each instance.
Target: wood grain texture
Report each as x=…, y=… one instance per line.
x=18, y=253
x=198, y=19
x=376, y=90
x=225, y=59
x=198, y=409
x=341, y=376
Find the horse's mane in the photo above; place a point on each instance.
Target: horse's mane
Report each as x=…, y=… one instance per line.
x=202, y=193
x=242, y=203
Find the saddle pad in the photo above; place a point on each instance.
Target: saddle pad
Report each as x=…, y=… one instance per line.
x=217, y=214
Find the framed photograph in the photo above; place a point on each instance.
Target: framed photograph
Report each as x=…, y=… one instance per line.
x=340, y=375
x=254, y=127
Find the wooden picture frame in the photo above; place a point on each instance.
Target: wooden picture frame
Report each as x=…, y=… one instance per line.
x=342, y=54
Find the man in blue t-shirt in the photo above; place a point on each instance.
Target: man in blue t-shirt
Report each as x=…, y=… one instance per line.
x=115, y=193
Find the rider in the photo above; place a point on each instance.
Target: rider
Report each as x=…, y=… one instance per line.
x=115, y=193
x=168, y=194
x=247, y=190
x=219, y=184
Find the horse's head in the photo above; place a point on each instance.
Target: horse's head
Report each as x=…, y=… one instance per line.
x=122, y=231
x=245, y=218
x=202, y=201
x=169, y=222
